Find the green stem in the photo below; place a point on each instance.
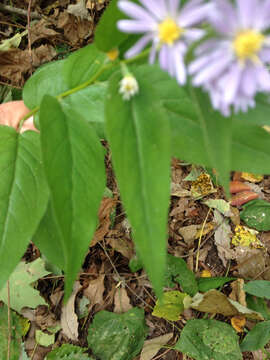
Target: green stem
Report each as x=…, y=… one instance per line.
x=87, y=83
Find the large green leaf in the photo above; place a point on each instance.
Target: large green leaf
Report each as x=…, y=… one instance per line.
x=48, y=239
x=258, y=115
x=257, y=338
x=107, y=36
x=250, y=148
x=89, y=103
x=209, y=340
x=74, y=166
x=117, y=336
x=68, y=352
x=260, y=288
x=23, y=195
x=139, y=137
x=46, y=80
x=83, y=64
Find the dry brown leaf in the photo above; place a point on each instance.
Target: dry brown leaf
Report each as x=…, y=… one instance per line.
x=251, y=262
x=123, y=246
x=79, y=10
x=75, y=29
x=189, y=233
x=152, y=347
x=14, y=64
x=237, y=293
x=121, y=301
x=105, y=210
x=41, y=31
x=178, y=191
x=222, y=238
x=69, y=319
x=215, y=302
x=94, y=291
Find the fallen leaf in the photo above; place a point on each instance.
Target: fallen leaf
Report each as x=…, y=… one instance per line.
x=243, y=197
x=222, y=238
x=79, y=10
x=75, y=29
x=41, y=30
x=244, y=236
x=171, y=307
x=253, y=178
x=250, y=262
x=215, y=302
x=238, y=293
x=21, y=291
x=238, y=186
x=94, y=291
x=69, y=319
x=202, y=186
x=178, y=191
x=238, y=323
x=122, y=245
x=152, y=347
x=121, y=301
x=106, y=208
x=221, y=205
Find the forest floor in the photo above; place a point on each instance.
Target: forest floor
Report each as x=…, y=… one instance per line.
x=106, y=281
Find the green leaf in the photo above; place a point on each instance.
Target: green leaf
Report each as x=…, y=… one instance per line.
x=209, y=340
x=89, y=103
x=16, y=335
x=256, y=214
x=83, y=64
x=74, y=165
x=260, y=288
x=44, y=339
x=206, y=284
x=259, y=305
x=68, y=352
x=217, y=135
x=47, y=79
x=117, y=336
x=23, y=195
x=257, y=338
x=171, y=306
x=258, y=115
x=250, y=148
x=21, y=292
x=47, y=234
x=178, y=271
x=107, y=36
x=139, y=137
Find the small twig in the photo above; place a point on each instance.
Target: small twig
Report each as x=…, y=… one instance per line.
x=29, y=35
x=9, y=321
x=200, y=239
x=21, y=12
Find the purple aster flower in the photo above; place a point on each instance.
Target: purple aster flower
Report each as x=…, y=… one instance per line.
x=232, y=67
x=170, y=29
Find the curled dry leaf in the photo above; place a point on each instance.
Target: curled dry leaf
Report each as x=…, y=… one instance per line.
x=238, y=186
x=94, y=291
x=238, y=323
x=243, y=197
x=152, y=347
x=69, y=319
x=121, y=301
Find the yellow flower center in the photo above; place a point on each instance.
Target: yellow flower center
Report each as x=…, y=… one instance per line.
x=169, y=31
x=247, y=44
